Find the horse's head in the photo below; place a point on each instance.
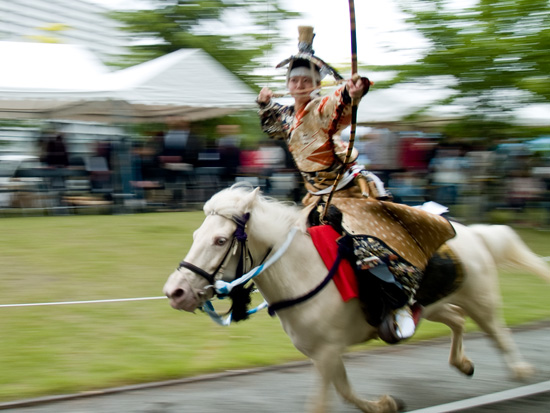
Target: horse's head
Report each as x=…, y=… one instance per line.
x=212, y=255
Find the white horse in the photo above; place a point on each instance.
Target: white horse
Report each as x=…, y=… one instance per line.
x=324, y=326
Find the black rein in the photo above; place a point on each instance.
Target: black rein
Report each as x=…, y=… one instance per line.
x=241, y=237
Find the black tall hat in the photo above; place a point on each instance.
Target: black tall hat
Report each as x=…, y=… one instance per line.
x=306, y=54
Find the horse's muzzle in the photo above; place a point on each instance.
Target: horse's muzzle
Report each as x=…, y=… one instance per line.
x=181, y=294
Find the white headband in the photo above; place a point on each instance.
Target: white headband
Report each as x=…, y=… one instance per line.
x=304, y=71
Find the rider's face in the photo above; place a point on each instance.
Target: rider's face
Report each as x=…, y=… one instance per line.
x=300, y=86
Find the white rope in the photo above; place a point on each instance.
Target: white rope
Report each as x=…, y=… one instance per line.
x=114, y=300
x=117, y=300
x=223, y=286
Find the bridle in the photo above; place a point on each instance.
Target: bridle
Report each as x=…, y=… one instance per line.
x=222, y=288
x=240, y=237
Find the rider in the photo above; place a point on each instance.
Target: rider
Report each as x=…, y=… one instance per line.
x=311, y=127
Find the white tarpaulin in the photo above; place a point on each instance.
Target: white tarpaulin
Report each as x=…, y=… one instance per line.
x=54, y=81
x=66, y=82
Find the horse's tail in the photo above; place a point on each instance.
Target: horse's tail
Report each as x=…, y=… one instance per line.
x=509, y=250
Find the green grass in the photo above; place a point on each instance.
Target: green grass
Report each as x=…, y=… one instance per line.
x=64, y=349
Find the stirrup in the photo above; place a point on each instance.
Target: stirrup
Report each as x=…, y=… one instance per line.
x=400, y=325
x=386, y=330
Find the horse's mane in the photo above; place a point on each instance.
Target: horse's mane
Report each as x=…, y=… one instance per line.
x=278, y=214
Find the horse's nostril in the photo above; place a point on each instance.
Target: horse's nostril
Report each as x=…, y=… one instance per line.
x=178, y=293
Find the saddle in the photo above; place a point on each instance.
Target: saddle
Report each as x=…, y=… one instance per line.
x=412, y=233
x=442, y=277
x=376, y=286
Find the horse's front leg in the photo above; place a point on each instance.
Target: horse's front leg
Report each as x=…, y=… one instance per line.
x=332, y=371
x=320, y=402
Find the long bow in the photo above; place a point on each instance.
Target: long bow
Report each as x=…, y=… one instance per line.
x=354, y=104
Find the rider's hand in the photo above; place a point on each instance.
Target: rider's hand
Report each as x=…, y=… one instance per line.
x=358, y=86
x=265, y=95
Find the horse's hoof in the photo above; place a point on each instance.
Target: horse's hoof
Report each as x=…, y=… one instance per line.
x=386, y=331
x=389, y=403
x=466, y=367
x=523, y=371
x=401, y=406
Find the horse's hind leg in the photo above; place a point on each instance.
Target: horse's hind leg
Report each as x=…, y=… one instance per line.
x=453, y=317
x=332, y=371
x=486, y=317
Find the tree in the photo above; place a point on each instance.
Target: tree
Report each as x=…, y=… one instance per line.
x=492, y=54
x=237, y=33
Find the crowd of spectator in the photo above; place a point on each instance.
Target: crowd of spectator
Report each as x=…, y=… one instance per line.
x=178, y=167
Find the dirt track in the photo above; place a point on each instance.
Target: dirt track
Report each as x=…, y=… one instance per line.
x=416, y=373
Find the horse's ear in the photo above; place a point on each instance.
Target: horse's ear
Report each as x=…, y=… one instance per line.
x=250, y=198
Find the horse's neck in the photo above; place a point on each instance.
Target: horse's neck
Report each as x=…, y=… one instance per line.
x=298, y=271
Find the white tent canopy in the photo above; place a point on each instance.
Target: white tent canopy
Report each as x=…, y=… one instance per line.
x=67, y=82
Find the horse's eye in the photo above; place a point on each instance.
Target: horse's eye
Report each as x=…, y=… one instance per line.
x=220, y=241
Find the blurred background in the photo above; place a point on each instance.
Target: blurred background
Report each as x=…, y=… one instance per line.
x=116, y=115
x=136, y=106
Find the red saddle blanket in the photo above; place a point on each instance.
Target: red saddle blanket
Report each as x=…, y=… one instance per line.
x=324, y=237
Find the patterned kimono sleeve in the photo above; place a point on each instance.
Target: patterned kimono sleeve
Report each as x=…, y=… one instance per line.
x=274, y=119
x=335, y=113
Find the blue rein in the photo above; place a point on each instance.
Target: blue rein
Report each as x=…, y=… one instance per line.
x=223, y=287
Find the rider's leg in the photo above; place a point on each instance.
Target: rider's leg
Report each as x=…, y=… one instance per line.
x=400, y=324
x=406, y=320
